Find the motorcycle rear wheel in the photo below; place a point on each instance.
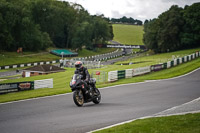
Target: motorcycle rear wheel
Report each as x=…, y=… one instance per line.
x=78, y=98
x=98, y=98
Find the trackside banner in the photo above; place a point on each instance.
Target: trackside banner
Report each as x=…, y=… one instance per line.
x=142, y=70
x=120, y=46
x=157, y=67
x=15, y=87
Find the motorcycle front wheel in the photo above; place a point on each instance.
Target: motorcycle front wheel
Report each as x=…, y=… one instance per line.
x=78, y=98
x=98, y=98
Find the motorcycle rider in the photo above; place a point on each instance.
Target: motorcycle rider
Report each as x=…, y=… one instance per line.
x=80, y=69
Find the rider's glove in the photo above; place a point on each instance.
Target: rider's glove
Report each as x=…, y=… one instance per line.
x=86, y=81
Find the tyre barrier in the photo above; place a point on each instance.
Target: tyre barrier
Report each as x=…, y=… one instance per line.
x=129, y=73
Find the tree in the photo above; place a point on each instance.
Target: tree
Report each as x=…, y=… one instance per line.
x=101, y=30
x=124, y=19
x=163, y=34
x=174, y=29
x=150, y=35
x=32, y=39
x=83, y=36
x=170, y=27
x=190, y=36
x=37, y=24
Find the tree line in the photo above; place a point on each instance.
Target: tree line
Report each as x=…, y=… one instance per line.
x=124, y=19
x=177, y=28
x=38, y=24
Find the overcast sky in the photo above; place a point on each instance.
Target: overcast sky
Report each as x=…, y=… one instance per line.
x=137, y=9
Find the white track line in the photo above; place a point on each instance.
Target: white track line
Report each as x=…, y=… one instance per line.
x=153, y=116
x=104, y=88
x=176, y=107
x=35, y=98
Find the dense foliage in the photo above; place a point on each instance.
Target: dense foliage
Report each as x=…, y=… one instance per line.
x=124, y=19
x=174, y=29
x=38, y=24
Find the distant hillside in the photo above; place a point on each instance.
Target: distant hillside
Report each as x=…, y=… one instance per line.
x=128, y=34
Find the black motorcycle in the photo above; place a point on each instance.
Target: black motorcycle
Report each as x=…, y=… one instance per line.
x=81, y=94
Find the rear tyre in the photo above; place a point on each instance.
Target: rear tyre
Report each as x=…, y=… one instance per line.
x=78, y=98
x=97, y=100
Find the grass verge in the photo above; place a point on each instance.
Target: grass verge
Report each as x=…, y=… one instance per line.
x=188, y=123
x=160, y=58
x=85, y=52
x=164, y=74
x=12, y=58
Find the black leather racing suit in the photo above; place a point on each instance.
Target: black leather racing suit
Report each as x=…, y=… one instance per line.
x=86, y=76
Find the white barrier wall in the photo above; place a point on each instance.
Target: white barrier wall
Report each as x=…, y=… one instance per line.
x=180, y=60
x=175, y=62
x=185, y=58
x=189, y=57
x=112, y=76
x=142, y=70
x=193, y=56
x=46, y=83
x=197, y=55
x=168, y=64
x=129, y=73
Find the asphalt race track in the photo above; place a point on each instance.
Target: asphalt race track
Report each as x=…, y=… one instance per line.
x=59, y=114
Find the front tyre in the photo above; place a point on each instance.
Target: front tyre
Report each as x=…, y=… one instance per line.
x=78, y=98
x=98, y=98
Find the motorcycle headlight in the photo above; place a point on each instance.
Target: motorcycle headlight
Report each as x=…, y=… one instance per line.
x=73, y=82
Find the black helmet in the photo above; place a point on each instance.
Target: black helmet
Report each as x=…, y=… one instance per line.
x=78, y=64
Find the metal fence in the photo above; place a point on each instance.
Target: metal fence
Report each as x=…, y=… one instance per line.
x=100, y=76
x=87, y=64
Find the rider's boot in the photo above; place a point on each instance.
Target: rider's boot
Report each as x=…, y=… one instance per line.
x=95, y=91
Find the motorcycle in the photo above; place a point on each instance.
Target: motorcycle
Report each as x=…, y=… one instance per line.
x=83, y=95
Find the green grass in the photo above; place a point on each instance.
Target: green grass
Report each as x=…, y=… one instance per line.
x=12, y=58
x=188, y=123
x=159, y=58
x=86, y=53
x=164, y=74
x=128, y=34
x=62, y=79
